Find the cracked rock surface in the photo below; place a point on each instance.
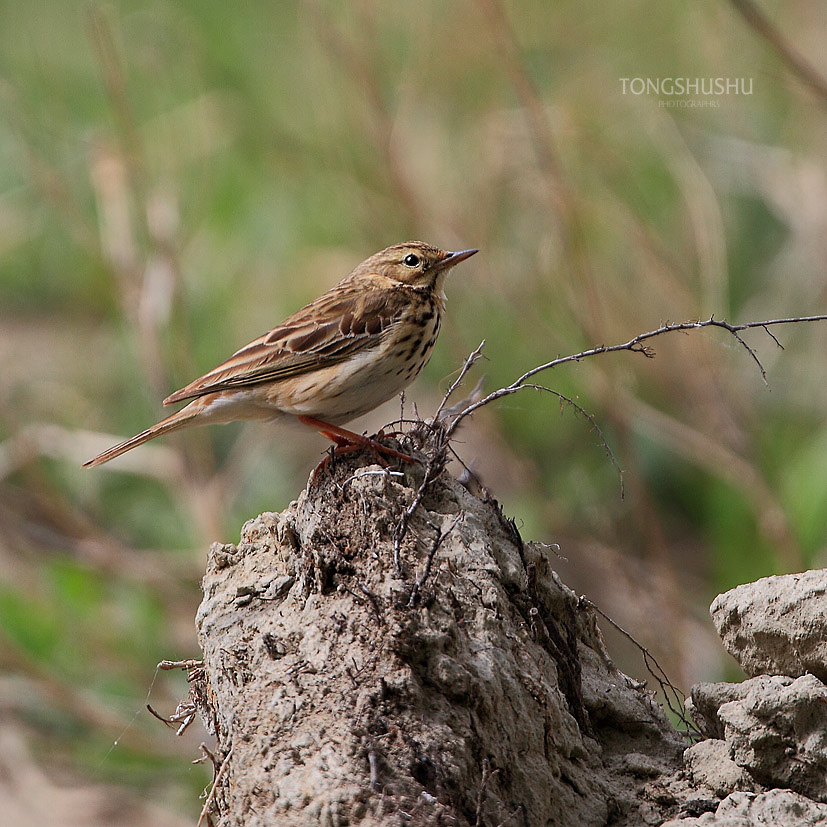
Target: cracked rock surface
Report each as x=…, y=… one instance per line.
x=451, y=678
x=776, y=625
x=469, y=687
x=768, y=735
x=775, y=729
x=709, y=765
x=776, y=808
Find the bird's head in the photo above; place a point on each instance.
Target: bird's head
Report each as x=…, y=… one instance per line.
x=414, y=264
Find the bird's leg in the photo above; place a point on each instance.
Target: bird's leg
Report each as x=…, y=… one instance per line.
x=348, y=441
x=394, y=434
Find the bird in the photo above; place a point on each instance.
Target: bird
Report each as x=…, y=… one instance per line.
x=339, y=357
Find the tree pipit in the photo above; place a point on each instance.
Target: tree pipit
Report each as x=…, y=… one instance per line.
x=344, y=354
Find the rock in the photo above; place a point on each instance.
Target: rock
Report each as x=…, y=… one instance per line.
x=467, y=687
x=775, y=727
x=776, y=808
x=456, y=680
x=776, y=625
x=778, y=733
x=709, y=765
x=706, y=698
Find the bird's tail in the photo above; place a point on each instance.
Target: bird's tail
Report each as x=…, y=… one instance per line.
x=180, y=419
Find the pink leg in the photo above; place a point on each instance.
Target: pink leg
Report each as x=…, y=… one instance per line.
x=348, y=441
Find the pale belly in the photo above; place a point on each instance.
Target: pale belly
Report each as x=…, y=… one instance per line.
x=343, y=392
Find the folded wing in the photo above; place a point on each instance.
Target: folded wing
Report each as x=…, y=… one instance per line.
x=338, y=325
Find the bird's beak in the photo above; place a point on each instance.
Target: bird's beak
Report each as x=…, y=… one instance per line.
x=455, y=258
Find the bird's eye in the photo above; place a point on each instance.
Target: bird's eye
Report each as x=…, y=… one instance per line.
x=411, y=260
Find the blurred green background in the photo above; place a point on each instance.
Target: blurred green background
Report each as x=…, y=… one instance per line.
x=175, y=177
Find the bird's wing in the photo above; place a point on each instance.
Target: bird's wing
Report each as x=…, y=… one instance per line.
x=340, y=323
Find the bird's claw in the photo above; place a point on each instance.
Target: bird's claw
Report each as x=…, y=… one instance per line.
x=371, y=444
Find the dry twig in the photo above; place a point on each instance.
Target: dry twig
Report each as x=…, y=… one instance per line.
x=672, y=696
x=183, y=716
x=486, y=777
x=636, y=345
x=796, y=62
x=469, y=363
x=169, y=665
x=426, y=573
x=215, y=784
x=435, y=464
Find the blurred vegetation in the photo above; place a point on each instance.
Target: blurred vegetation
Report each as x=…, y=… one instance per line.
x=175, y=177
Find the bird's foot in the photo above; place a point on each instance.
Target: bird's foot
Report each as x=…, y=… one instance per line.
x=346, y=442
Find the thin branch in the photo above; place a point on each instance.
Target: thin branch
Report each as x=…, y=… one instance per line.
x=635, y=345
x=207, y=754
x=592, y=421
x=772, y=336
x=218, y=778
x=181, y=719
x=795, y=62
x=169, y=665
x=469, y=363
x=468, y=473
x=426, y=573
x=674, y=698
x=512, y=814
x=436, y=462
x=487, y=774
